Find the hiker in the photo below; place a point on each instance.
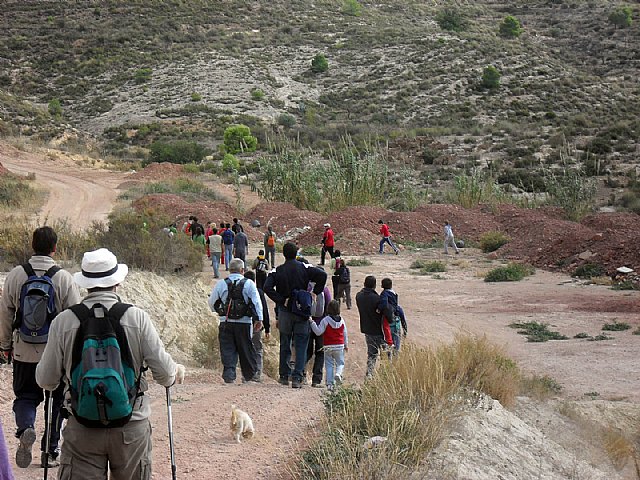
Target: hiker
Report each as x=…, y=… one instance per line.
x=198, y=237
x=262, y=268
x=335, y=341
x=25, y=345
x=208, y=231
x=449, y=241
x=316, y=346
x=343, y=283
x=327, y=243
x=269, y=243
x=393, y=316
x=237, y=227
x=386, y=238
x=232, y=299
x=241, y=246
x=335, y=263
x=368, y=302
x=287, y=287
x=186, y=226
x=215, y=249
x=124, y=446
x=6, y=472
x=256, y=338
x=196, y=228
x=227, y=240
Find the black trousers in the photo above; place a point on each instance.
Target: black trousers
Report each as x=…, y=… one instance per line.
x=236, y=344
x=315, y=348
x=324, y=252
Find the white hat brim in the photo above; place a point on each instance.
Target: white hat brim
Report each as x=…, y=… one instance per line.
x=102, y=282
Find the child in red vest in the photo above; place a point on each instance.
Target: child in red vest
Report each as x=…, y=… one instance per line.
x=334, y=335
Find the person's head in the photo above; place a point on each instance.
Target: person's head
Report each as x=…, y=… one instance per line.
x=261, y=253
x=446, y=222
x=290, y=250
x=235, y=220
x=370, y=281
x=214, y=230
x=236, y=266
x=336, y=253
x=190, y=219
x=333, y=308
x=327, y=226
x=228, y=225
x=380, y=222
x=250, y=274
x=195, y=219
x=386, y=283
x=270, y=228
x=222, y=224
x=44, y=241
x=100, y=270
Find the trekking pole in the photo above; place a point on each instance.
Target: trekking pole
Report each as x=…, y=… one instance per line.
x=48, y=406
x=170, y=422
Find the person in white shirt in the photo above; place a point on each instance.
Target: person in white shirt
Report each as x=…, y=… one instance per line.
x=449, y=241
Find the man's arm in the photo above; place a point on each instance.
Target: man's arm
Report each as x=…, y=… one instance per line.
x=7, y=315
x=162, y=366
x=50, y=368
x=250, y=293
x=270, y=290
x=215, y=295
x=319, y=277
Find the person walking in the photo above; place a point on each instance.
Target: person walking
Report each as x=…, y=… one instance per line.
x=16, y=345
x=283, y=287
x=386, y=237
x=215, y=249
x=368, y=303
x=241, y=246
x=233, y=300
x=123, y=451
x=335, y=340
x=256, y=338
x=449, y=241
x=269, y=243
x=227, y=240
x=327, y=243
x=262, y=268
x=315, y=348
x=343, y=284
x=237, y=226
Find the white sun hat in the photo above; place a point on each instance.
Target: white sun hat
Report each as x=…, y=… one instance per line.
x=100, y=268
x=327, y=224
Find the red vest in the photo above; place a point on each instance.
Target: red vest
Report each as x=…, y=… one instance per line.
x=334, y=336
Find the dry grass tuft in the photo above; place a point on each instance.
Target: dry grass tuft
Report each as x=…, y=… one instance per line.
x=619, y=447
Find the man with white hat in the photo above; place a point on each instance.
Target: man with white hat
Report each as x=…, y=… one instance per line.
x=124, y=451
x=327, y=243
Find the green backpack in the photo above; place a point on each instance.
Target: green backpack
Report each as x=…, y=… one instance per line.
x=104, y=383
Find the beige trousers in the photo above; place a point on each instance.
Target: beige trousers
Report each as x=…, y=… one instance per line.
x=91, y=453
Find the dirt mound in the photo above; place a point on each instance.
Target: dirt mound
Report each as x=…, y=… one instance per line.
x=282, y=216
x=159, y=171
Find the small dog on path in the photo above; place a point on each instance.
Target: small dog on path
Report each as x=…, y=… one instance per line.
x=241, y=424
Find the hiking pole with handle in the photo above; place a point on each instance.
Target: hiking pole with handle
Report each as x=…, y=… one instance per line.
x=48, y=406
x=170, y=422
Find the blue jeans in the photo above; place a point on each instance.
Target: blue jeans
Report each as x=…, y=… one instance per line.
x=333, y=363
x=215, y=263
x=292, y=328
x=387, y=240
x=228, y=255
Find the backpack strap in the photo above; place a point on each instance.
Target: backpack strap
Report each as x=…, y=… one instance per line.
x=52, y=271
x=28, y=269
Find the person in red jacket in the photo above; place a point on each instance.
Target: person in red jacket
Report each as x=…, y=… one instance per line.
x=334, y=336
x=386, y=237
x=327, y=242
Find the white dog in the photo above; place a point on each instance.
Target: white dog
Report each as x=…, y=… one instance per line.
x=241, y=424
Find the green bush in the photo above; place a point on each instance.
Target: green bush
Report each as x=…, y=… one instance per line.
x=616, y=326
x=537, y=332
x=257, y=94
x=180, y=151
x=230, y=163
x=196, y=97
x=490, y=77
x=14, y=192
x=142, y=75
x=513, y=272
x=492, y=241
x=589, y=270
x=286, y=120
x=55, y=108
x=238, y=139
x=429, y=267
x=510, y=27
x=352, y=7
x=451, y=18
x=621, y=17
x=570, y=188
x=319, y=64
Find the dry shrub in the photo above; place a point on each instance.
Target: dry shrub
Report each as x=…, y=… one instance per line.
x=539, y=387
x=619, y=447
x=412, y=401
x=206, y=350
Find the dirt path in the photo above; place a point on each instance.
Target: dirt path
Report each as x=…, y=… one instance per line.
x=76, y=193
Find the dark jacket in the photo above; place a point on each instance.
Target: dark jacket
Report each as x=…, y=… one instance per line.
x=265, y=312
x=368, y=302
x=293, y=275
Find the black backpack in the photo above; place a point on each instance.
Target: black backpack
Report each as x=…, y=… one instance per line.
x=104, y=381
x=235, y=307
x=37, y=307
x=345, y=275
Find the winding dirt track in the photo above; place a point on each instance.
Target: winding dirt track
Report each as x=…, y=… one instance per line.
x=76, y=193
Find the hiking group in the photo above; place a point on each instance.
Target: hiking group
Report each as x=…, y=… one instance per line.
x=86, y=358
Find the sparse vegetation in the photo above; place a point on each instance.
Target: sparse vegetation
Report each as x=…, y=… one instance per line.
x=206, y=349
x=55, y=108
x=540, y=387
x=452, y=19
x=491, y=77
x=359, y=262
x=14, y=192
x=180, y=151
x=589, y=270
x=621, y=17
x=492, y=241
x=537, y=332
x=142, y=75
x=428, y=266
x=352, y=7
x=616, y=326
x=319, y=64
x=510, y=27
x=512, y=272
x=238, y=139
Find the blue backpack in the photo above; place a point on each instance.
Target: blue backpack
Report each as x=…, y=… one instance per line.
x=104, y=383
x=227, y=237
x=301, y=303
x=37, y=307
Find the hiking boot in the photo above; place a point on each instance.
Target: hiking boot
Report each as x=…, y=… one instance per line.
x=397, y=252
x=283, y=381
x=317, y=385
x=23, y=454
x=257, y=378
x=50, y=462
x=296, y=384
